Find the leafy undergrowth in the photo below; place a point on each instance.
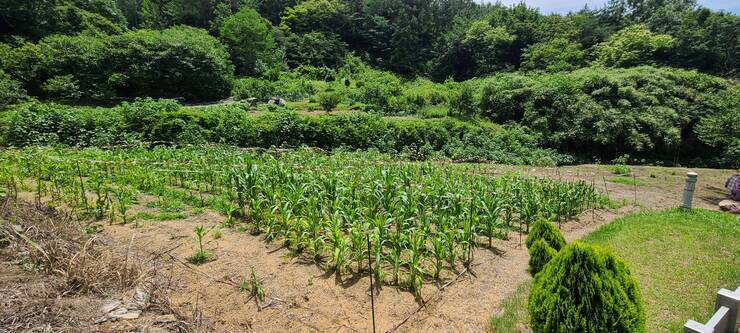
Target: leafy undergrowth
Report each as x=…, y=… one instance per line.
x=679, y=258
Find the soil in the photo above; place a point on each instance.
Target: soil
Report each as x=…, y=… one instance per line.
x=301, y=296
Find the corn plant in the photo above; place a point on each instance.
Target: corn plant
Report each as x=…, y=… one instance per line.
x=201, y=255
x=320, y=206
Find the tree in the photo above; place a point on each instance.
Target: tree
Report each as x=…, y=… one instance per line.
x=314, y=15
x=315, y=49
x=556, y=55
x=632, y=46
x=159, y=14
x=721, y=129
x=249, y=39
x=35, y=19
x=221, y=12
x=585, y=288
x=177, y=62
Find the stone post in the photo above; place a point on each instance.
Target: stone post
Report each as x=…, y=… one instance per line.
x=688, y=191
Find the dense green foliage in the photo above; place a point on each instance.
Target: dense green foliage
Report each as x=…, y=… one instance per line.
x=150, y=120
x=547, y=231
x=609, y=112
x=35, y=19
x=177, y=62
x=632, y=46
x=540, y=253
x=249, y=39
x=10, y=91
x=447, y=38
x=721, y=129
x=585, y=288
x=569, y=78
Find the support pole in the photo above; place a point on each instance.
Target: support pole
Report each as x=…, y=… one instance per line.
x=372, y=289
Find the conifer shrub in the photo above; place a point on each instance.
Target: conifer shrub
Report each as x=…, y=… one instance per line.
x=540, y=253
x=585, y=288
x=546, y=230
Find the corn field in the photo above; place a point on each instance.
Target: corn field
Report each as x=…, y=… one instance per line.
x=423, y=218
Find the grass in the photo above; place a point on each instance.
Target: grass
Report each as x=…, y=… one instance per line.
x=514, y=311
x=626, y=181
x=162, y=216
x=434, y=111
x=679, y=258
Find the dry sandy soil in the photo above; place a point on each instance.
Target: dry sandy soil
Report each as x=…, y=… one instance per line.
x=303, y=297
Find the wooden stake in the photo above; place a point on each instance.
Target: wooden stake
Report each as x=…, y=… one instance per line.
x=372, y=289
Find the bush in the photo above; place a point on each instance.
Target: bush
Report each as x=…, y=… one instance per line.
x=642, y=111
x=165, y=120
x=621, y=169
x=10, y=91
x=540, y=253
x=585, y=288
x=251, y=87
x=329, y=100
x=462, y=103
x=547, y=231
x=178, y=62
x=142, y=115
x=377, y=90
x=49, y=124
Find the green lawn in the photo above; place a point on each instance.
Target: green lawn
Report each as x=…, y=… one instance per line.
x=679, y=258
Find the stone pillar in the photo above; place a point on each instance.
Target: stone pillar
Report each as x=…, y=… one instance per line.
x=688, y=191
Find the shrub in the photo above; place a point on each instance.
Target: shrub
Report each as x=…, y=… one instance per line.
x=177, y=62
x=621, y=169
x=165, y=120
x=377, y=90
x=62, y=87
x=585, y=288
x=547, y=231
x=540, y=253
x=329, y=100
x=10, y=91
x=642, y=111
x=462, y=103
x=46, y=124
x=141, y=115
x=251, y=87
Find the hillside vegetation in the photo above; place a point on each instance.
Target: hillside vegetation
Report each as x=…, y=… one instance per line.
x=649, y=82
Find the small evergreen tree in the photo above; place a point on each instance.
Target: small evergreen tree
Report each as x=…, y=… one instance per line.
x=546, y=230
x=539, y=255
x=585, y=288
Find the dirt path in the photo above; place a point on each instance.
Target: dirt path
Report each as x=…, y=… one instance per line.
x=302, y=297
